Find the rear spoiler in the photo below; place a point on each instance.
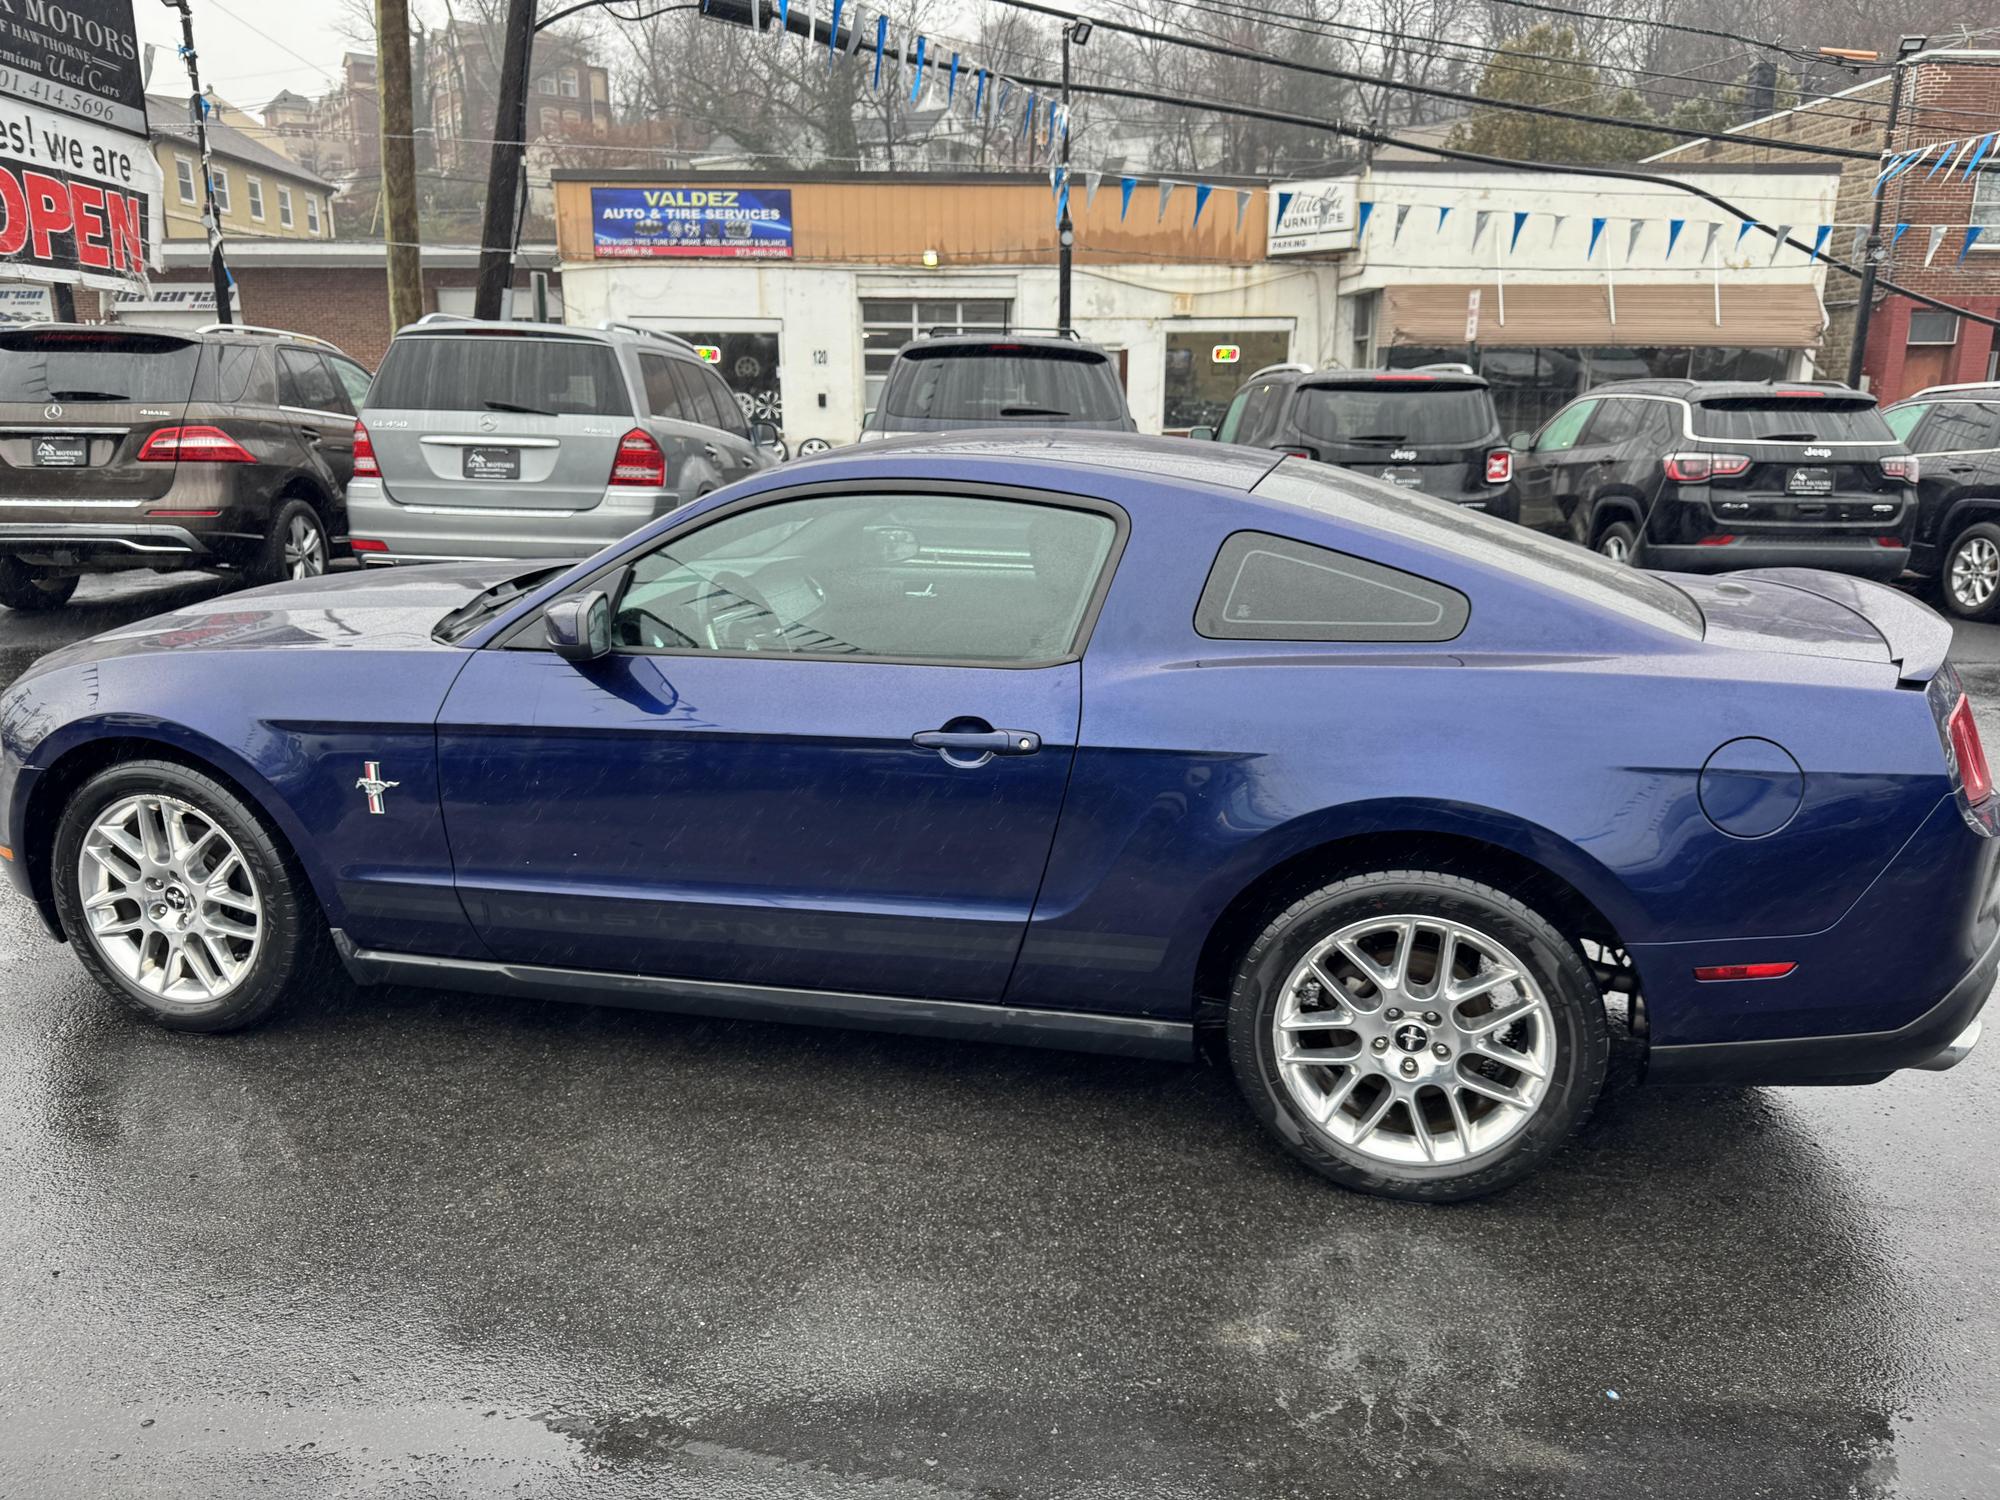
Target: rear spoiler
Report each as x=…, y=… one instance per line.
x=1917, y=636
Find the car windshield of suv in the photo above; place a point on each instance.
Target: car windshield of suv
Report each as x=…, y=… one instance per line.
x=62, y=364
x=538, y=377
x=1387, y=415
x=1003, y=383
x=1791, y=419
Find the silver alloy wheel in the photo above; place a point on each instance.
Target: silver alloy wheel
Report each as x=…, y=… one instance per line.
x=1415, y=1041
x=1975, y=572
x=170, y=900
x=305, y=549
x=1613, y=546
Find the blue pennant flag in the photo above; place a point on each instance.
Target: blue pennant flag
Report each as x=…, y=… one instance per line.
x=1674, y=228
x=979, y=93
x=1901, y=230
x=1972, y=235
x=1125, y=186
x=1443, y=214
x=833, y=32
x=784, y=10
x=1028, y=114
x=1596, y=233
x=1062, y=199
x=1520, y=220
x=1362, y=213
x=1743, y=227
x=951, y=85
x=1819, y=239
x=1201, y=192
x=1284, y=202
x=1985, y=145
x=1945, y=159
x=881, y=37
x=917, y=82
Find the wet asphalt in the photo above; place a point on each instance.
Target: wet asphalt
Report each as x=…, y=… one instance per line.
x=405, y=1244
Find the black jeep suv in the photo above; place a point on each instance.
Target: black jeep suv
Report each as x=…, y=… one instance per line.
x=1431, y=429
x=1710, y=476
x=1954, y=432
x=126, y=447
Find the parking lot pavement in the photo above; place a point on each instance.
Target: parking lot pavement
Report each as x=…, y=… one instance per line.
x=399, y=1243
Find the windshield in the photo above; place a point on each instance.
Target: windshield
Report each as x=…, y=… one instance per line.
x=1001, y=383
x=482, y=606
x=1769, y=419
x=1386, y=415
x=84, y=365
x=541, y=377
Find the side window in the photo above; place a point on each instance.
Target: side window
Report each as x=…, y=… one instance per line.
x=1957, y=427
x=1233, y=419
x=241, y=375
x=353, y=379
x=663, y=397
x=1614, y=422
x=729, y=415
x=1656, y=425
x=923, y=578
x=1564, y=428
x=1271, y=588
x=1904, y=420
x=697, y=401
x=1261, y=415
x=304, y=380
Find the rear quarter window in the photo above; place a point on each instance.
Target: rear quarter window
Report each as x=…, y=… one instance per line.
x=1272, y=588
x=532, y=376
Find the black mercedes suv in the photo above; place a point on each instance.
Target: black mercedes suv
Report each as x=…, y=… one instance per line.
x=1711, y=476
x=1432, y=429
x=127, y=447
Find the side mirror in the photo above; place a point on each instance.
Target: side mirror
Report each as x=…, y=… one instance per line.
x=1521, y=442
x=1202, y=434
x=579, y=628
x=766, y=435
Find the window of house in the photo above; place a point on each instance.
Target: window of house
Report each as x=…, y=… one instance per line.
x=572, y=117
x=285, y=208
x=550, y=118
x=312, y=214
x=1271, y=588
x=255, y=188
x=546, y=84
x=569, y=86
x=221, y=181
x=1930, y=325
x=184, y=176
x=889, y=323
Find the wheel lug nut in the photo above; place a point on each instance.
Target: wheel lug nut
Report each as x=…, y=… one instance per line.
x=1442, y=1050
x=1409, y=1065
x=1392, y=1014
x=1381, y=1044
x=1431, y=1018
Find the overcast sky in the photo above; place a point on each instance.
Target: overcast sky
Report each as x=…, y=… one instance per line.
x=250, y=49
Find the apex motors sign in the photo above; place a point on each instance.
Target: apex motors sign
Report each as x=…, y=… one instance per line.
x=76, y=57
x=711, y=223
x=1311, y=217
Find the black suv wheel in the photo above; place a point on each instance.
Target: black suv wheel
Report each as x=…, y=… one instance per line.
x=28, y=589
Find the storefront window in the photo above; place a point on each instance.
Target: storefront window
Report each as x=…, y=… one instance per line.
x=888, y=323
x=1200, y=386
x=748, y=365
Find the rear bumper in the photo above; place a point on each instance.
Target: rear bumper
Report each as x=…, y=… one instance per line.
x=452, y=533
x=100, y=543
x=1862, y=557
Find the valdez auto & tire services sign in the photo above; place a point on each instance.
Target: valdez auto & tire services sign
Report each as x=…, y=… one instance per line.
x=77, y=57
x=77, y=202
x=714, y=223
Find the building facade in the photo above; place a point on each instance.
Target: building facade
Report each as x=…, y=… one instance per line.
x=569, y=97
x=260, y=192
x=1948, y=94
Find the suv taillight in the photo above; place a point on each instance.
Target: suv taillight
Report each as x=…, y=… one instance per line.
x=203, y=445
x=639, y=461
x=1903, y=467
x=1970, y=754
x=1699, y=468
x=365, y=466
x=1500, y=466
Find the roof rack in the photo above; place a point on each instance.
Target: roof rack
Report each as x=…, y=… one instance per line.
x=283, y=333
x=1962, y=385
x=949, y=330
x=442, y=317
x=612, y=325
x=1450, y=367
x=1283, y=367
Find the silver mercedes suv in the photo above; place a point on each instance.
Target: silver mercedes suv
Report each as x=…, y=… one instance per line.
x=514, y=440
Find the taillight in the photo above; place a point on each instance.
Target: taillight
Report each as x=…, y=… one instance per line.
x=1889, y=541
x=1500, y=466
x=1699, y=468
x=205, y=445
x=1720, y=539
x=639, y=461
x=365, y=466
x=1903, y=467
x=1966, y=749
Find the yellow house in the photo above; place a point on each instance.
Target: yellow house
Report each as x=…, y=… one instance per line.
x=260, y=191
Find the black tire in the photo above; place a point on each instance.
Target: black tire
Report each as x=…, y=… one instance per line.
x=1579, y=1035
x=1618, y=541
x=1959, y=594
x=278, y=558
x=27, y=589
x=290, y=920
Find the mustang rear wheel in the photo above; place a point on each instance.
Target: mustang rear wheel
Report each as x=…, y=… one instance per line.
x=176, y=898
x=1417, y=1035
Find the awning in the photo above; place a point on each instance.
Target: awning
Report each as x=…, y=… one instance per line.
x=1783, y=316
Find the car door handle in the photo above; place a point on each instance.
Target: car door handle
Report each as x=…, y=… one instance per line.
x=712, y=451
x=310, y=434
x=979, y=741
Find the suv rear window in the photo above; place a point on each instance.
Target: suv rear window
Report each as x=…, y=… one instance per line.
x=1004, y=383
x=1398, y=413
x=534, y=376
x=78, y=365
x=1791, y=419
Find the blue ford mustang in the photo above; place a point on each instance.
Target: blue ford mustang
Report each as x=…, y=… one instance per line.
x=1096, y=743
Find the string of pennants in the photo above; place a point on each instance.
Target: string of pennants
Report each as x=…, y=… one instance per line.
x=1513, y=222
x=1944, y=156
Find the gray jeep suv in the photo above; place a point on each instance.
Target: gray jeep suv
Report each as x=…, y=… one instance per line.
x=517, y=440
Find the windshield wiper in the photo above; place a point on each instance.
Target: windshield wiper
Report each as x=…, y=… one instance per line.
x=526, y=411
x=462, y=621
x=1786, y=437
x=1031, y=411
x=1376, y=437
x=88, y=396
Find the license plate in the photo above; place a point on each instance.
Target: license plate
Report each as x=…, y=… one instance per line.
x=492, y=463
x=61, y=452
x=1810, y=482
x=1409, y=479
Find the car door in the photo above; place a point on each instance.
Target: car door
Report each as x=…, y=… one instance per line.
x=740, y=454
x=682, y=436
x=710, y=461
x=317, y=402
x=1542, y=471
x=826, y=752
x=1957, y=444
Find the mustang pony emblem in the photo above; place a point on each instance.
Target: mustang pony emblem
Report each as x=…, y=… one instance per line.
x=372, y=783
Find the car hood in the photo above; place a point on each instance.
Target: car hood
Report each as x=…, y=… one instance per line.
x=386, y=610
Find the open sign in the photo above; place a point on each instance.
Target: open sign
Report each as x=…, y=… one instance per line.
x=708, y=353
x=1226, y=354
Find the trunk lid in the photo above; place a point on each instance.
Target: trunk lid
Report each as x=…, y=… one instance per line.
x=76, y=406
x=1806, y=612
x=1814, y=460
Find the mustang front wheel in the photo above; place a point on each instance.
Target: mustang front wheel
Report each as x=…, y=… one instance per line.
x=176, y=898
x=1417, y=1035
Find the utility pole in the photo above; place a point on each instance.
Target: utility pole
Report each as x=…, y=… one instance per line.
x=503, y=172
x=1864, y=310
x=211, y=218
x=399, y=162
x=1077, y=32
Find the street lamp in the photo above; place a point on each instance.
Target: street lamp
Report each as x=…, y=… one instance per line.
x=1074, y=33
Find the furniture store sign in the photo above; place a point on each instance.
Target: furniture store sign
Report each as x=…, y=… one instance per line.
x=76, y=57
x=711, y=223
x=78, y=202
x=1315, y=216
